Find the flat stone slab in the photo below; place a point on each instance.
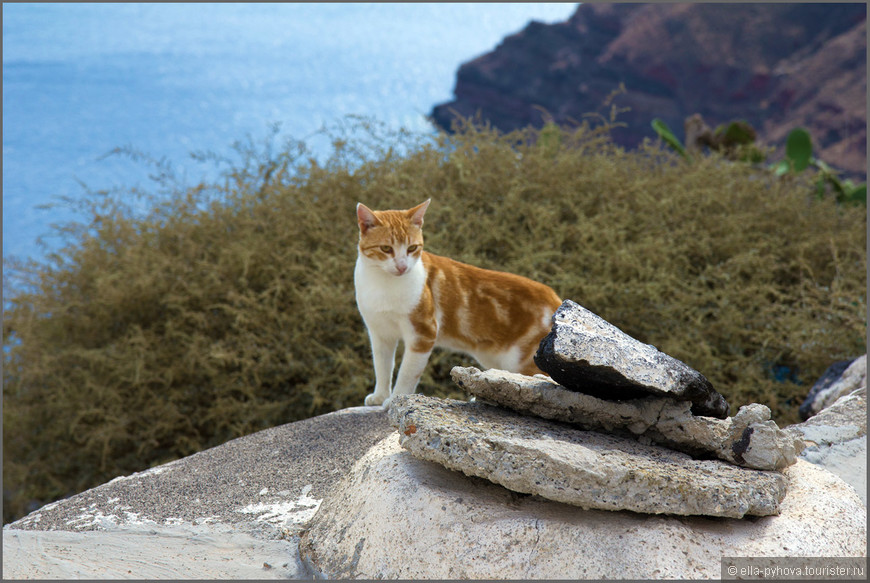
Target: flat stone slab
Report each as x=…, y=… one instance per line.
x=749, y=439
x=585, y=353
x=583, y=468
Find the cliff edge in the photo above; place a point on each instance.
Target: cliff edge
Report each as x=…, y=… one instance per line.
x=777, y=66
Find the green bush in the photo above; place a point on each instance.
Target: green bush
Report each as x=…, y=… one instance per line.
x=230, y=308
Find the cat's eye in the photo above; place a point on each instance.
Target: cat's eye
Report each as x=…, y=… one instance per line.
x=412, y=248
x=386, y=249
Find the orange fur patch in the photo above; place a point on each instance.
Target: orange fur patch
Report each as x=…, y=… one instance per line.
x=485, y=311
x=499, y=318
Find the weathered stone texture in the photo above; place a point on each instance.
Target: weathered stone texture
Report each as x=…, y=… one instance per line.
x=844, y=420
x=585, y=353
x=394, y=516
x=839, y=380
x=836, y=439
x=750, y=438
x=582, y=468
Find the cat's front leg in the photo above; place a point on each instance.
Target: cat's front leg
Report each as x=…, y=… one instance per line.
x=384, y=357
x=413, y=364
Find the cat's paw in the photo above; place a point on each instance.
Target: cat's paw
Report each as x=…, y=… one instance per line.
x=374, y=399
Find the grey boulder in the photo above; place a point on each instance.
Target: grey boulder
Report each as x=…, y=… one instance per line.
x=585, y=353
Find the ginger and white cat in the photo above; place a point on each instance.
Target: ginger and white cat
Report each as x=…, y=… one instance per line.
x=405, y=293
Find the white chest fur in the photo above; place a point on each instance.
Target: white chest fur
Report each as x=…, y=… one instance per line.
x=380, y=294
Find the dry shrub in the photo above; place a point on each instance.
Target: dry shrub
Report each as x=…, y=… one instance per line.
x=230, y=308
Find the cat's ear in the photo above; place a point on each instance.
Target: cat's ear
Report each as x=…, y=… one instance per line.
x=365, y=217
x=416, y=213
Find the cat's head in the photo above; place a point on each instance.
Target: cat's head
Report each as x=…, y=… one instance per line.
x=392, y=240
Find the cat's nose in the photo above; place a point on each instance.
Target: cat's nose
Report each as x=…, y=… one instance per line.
x=401, y=268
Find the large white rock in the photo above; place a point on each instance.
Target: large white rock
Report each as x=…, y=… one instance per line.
x=397, y=517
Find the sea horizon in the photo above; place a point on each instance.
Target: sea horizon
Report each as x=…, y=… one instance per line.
x=168, y=80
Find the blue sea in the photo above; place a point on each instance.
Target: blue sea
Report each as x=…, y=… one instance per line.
x=80, y=80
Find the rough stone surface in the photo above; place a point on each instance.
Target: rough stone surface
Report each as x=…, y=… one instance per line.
x=839, y=380
x=234, y=511
x=273, y=478
x=397, y=517
x=583, y=468
x=171, y=553
x=754, y=440
x=848, y=460
x=750, y=438
x=831, y=374
x=843, y=421
x=836, y=439
x=585, y=353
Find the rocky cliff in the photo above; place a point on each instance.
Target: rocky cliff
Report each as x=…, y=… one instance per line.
x=776, y=66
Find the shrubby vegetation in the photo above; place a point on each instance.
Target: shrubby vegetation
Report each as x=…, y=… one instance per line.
x=229, y=307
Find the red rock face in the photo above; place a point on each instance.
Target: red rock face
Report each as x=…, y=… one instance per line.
x=777, y=66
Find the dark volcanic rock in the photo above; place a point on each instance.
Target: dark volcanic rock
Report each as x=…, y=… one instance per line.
x=585, y=353
x=777, y=66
